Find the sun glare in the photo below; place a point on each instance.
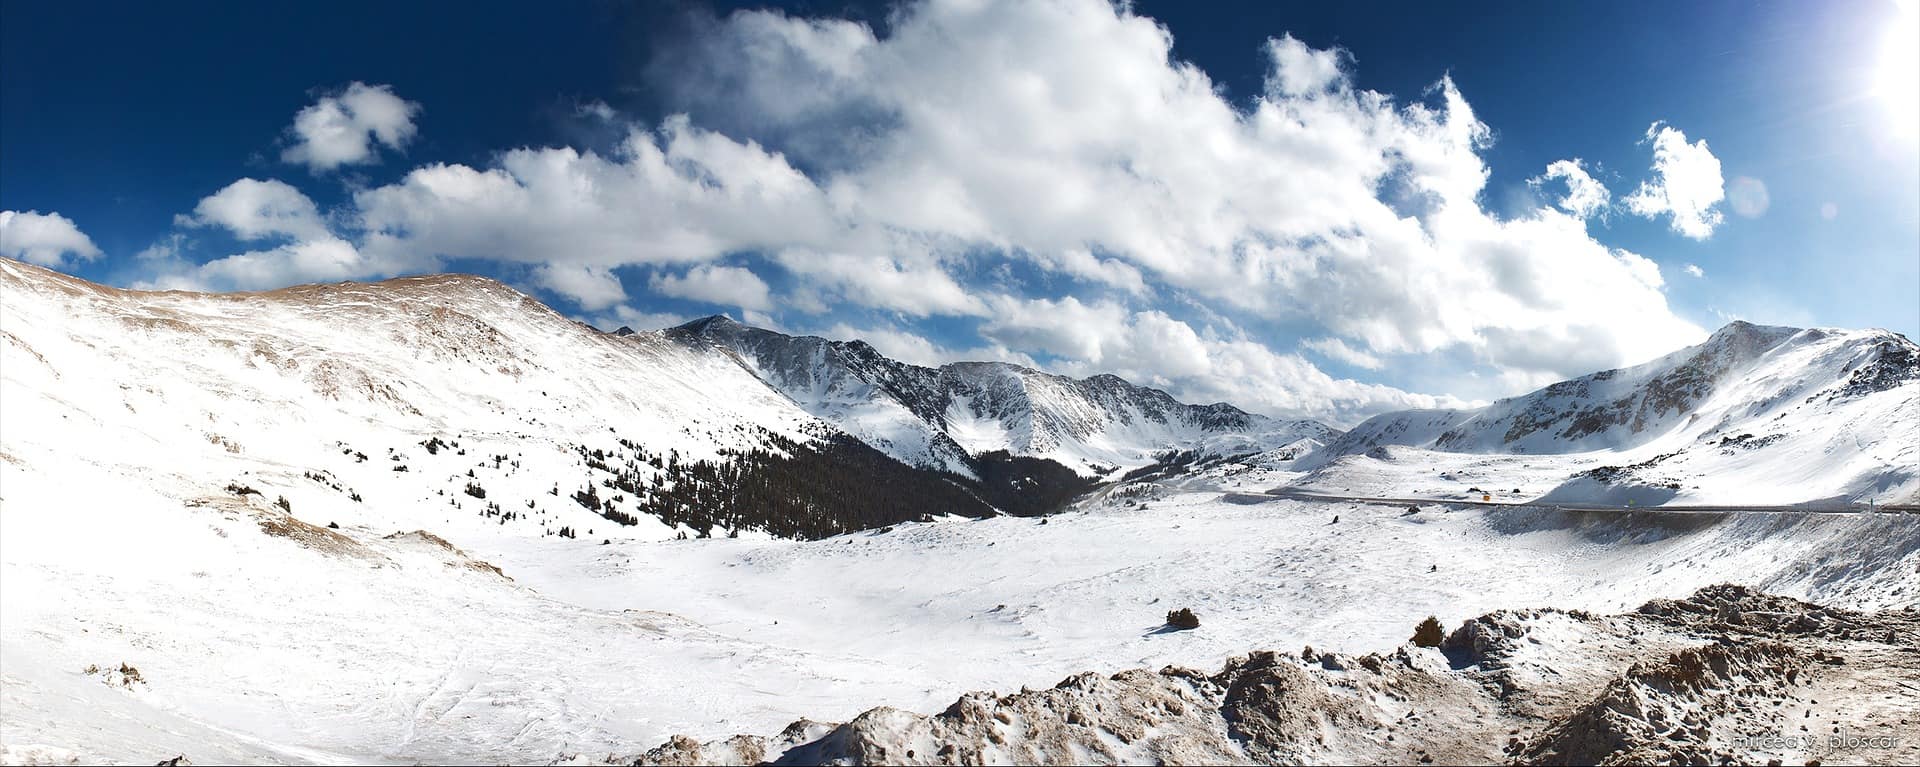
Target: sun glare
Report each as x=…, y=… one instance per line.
x=1897, y=79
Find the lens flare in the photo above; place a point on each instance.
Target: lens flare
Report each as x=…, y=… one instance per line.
x=1897, y=79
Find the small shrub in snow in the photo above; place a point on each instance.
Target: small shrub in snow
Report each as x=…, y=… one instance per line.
x=284, y=504
x=1429, y=633
x=1183, y=619
x=474, y=489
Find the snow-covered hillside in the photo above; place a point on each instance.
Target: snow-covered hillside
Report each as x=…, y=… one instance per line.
x=459, y=392
x=1761, y=415
x=947, y=417
x=403, y=393
x=265, y=636
x=350, y=524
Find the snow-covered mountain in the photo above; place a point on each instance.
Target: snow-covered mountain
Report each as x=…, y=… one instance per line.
x=461, y=392
x=1754, y=414
x=351, y=524
x=406, y=392
x=948, y=417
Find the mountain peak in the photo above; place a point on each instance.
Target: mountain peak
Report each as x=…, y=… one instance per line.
x=710, y=322
x=1746, y=330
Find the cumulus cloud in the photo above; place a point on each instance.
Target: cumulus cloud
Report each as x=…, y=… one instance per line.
x=622, y=315
x=1301, y=70
x=913, y=348
x=1686, y=186
x=322, y=260
x=1337, y=349
x=591, y=287
x=1585, y=197
x=347, y=128
x=1694, y=270
x=723, y=285
x=253, y=209
x=1206, y=365
x=1049, y=172
x=43, y=238
x=1059, y=130
x=308, y=249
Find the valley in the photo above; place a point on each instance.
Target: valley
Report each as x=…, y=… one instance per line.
x=351, y=523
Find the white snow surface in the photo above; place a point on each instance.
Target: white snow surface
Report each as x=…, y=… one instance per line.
x=267, y=635
x=938, y=417
x=1755, y=415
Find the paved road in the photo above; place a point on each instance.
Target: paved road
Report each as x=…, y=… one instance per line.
x=1673, y=509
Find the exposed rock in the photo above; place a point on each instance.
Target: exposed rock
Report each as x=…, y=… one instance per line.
x=1690, y=681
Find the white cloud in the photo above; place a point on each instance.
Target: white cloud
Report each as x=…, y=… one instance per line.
x=1337, y=349
x=911, y=348
x=1209, y=365
x=328, y=259
x=907, y=282
x=344, y=128
x=1694, y=270
x=1686, y=185
x=592, y=287
x=253, y=209
x=1126, y=187
x=1585, y=197
x=723, y=285
x=309, y=249
x=622, y=315
x=1059, y=129
x=1252, y=376
x=43, y=238
x=163, y=250
x=1302, y=70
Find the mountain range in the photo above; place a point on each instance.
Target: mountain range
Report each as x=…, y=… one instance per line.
x=432, y=520
x=714, y=427
x=707, y=428
x=1755, y=414
x=945, y=418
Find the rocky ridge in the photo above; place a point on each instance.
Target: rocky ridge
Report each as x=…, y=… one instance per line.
x=1725, y=676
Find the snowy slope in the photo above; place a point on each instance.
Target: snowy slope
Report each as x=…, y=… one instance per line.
x=147, y=442
x=349, y=382
x=943, y=417
x=1762, y=415
x=262, y=640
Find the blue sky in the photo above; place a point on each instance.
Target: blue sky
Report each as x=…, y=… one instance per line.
x=1275, y=205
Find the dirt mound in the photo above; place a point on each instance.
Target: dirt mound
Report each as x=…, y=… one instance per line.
x=455, y=557
x=1683, y=709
